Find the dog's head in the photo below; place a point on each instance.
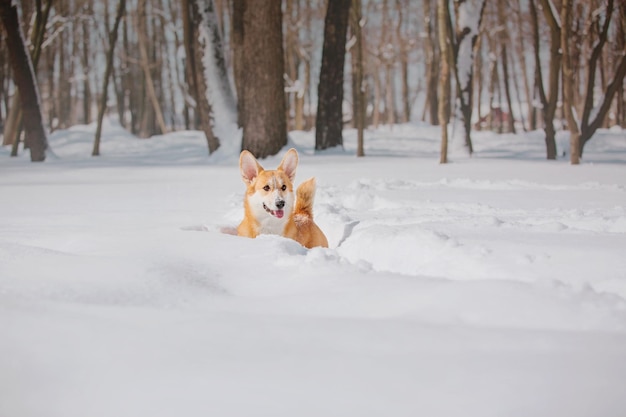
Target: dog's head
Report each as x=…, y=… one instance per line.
x=269, y=193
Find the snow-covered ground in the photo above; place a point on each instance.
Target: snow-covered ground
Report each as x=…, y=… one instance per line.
x=491, y=286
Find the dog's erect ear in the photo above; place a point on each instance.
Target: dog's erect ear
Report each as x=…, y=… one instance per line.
x=289, y=164
x=249, y=167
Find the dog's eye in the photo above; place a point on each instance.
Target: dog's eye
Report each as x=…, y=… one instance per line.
x=266, y=188
x=284, y=187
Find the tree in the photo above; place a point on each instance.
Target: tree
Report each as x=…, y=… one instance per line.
x=568, y=82
x=504, y=56
x=142, y=32
x=445, y=62
x=13, y=127
x=549, y=100
x=358, y=86
x=121, y=9
x=329, y=122
x=432, y=64
x=24, y=76
x=468, y=15
x=593, y=114
x=215, y=103
x=260, y=77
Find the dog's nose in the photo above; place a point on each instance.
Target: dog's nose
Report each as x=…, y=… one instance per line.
x=280, y=204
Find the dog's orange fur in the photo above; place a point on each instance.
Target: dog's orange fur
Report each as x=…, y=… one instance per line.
x=267, y=190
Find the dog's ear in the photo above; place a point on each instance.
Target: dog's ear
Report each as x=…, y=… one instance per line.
x=289, y=164
x=249, y=167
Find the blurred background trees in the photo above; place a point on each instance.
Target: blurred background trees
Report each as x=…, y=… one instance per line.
x=161, y=79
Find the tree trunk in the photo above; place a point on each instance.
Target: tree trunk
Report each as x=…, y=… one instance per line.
x=432, y=65
x=121, y=8
x=24, y=76
x=621, y=45
x=13, y=127
x=568, y=82
x=262, y=84
x=142, y=32
x=587, y=126
x=405, y=115
x=507, y=89
x=215, y=99
x=236, y=41
x=390, y=106
x=329, y=122
x=521, y=53
x=443, y=16
x=468, y=18
x=358, y=87
x=551, y=99
x=85, y=62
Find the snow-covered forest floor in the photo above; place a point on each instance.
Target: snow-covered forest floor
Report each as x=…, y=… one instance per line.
x=491, y=286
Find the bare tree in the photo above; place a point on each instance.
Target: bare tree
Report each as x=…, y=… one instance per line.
x=568, y=82
x=468, y=15
x=504, y=57
x=24, y=76
x=550, y=98
x=593, y=115
x=358, y=85
x=432, y=63
x=443, y=22
x=142, y=34
x=13, y=127
x=329, y=122
x=121, y=9
x=261, y=82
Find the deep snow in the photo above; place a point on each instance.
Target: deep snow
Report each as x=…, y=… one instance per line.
x=491, y=286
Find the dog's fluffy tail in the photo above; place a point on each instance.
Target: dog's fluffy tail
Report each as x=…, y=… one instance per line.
x=305, y=194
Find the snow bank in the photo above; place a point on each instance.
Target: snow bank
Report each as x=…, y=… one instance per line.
x=490, y=286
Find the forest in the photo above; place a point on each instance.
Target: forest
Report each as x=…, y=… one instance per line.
x=270, y=67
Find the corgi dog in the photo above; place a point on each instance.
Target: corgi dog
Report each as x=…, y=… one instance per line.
x=270, y=205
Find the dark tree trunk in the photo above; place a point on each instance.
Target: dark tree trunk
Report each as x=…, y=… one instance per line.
x=24, y=76
x=262, y=83
x=358, y=87
x=329, y=122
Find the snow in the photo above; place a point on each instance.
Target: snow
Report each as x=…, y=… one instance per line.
x=491, y=286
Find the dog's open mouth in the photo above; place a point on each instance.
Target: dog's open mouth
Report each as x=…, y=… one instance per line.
x=275, y=213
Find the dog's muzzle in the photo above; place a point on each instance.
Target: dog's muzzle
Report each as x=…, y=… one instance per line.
x=276, y=213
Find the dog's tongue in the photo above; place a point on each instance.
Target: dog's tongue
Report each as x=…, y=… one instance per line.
x=279, y=213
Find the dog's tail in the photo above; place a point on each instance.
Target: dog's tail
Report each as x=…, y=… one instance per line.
x=305, y=194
